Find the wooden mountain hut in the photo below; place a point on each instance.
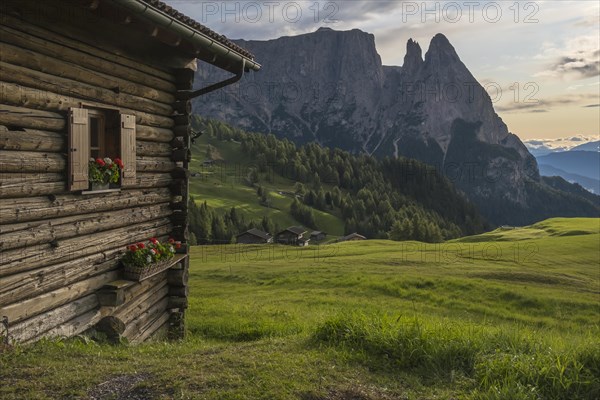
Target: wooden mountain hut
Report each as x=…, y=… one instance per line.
x=83, y=79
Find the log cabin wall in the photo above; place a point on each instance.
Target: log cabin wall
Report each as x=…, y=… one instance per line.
x=58, y=249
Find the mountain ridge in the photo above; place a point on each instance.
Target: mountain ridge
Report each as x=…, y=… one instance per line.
x=332, y=88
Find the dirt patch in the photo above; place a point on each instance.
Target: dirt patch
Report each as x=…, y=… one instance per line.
x=123, y=387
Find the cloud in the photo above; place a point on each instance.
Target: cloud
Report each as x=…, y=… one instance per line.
x=591, y=106
x=546, y=104
x=580, y=59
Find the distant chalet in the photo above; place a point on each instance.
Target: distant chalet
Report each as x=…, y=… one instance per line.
x=352, y=237
x=294, y=235
x=317, y=236
x=83, y=79
x=254, y=236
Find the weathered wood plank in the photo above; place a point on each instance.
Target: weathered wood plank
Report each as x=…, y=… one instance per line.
x=130, y=310
x=28, y=258
x=53, y=66
x=34, y=327
x=31, y=140
x=151, y=328
x=32, y=233
x=30, y=161
x=72, y=327
x=147, y=149
x=29, y=118
x=140, y=323
x=37, y=208
x=155, y=164
x=23, y=96
x=153, y=134
x=32, y=283
x=23, y=34
x=47, y=301
x=68, y=87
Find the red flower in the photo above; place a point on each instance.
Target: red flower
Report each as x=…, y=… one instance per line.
x=153, y=240
x=177, y=245
x=140, y=245
x=171, y=241
x=100, y=162
x=132, y=248
x=119, y=162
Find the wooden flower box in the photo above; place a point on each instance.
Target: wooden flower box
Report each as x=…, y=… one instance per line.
x=138, y=274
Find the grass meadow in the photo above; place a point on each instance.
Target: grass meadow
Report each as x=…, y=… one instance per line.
x=510, y=314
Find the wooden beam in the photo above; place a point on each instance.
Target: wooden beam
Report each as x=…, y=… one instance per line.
x=22, y=117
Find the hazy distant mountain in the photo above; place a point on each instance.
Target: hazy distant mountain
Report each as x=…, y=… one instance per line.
x=591, y=146
x=585, y=163
x=590, y=184
x=331, y=87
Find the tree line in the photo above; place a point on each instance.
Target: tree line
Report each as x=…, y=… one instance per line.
x=401, y=199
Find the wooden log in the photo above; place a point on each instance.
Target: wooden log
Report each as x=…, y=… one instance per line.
x=73, y=327
x=148, y=149
x=152, y=180
x=129, y=311
x=179, y=187
x=178, y=302
x=182, y=130
x=33, y=283
x=176, y=325
x=142, y=320
x=112, y=327
x=28, y=308
x=183, y=107
x=31, y=140
x=37, y=208
x=182, y=119
x=184, y=78
x=179, y=291
x=31, y=184
x=154, y=164
x=150, y=329
x=32, y=233
x=68, y=87
x=22, y=34
x=178, y=143
x=177, y=277
x=28, y=258
x=29, y=118
x=23, y=96
x=132, y=293
x=38, y=325
x=180, y=173
x=153, y=134
x=53, y=66
x=29, y=161
x=181, y=155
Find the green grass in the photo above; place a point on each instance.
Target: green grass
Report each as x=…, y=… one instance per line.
x=512, y=314
x=223, y=187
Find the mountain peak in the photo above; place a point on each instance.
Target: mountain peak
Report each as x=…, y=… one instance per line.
x=441, y=51
x=414, y=56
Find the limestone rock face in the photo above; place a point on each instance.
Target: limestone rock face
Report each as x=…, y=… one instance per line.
x=331, y=87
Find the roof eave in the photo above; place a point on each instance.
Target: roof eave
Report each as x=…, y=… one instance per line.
x=195, y=37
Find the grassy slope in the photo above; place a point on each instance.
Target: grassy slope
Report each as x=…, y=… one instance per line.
x=508, y=315
x=222, y=187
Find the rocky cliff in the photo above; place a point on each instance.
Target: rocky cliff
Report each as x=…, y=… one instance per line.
x=331, y=87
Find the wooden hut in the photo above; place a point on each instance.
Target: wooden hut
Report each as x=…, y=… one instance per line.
x=96, y=78
x=294, y=235
x=254, y=236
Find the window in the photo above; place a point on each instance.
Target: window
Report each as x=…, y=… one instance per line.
x=99, y=133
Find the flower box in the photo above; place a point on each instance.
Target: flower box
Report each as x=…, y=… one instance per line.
x=139, y=273
x=143, y=260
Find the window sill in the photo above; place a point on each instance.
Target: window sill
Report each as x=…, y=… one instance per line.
x=88, y=192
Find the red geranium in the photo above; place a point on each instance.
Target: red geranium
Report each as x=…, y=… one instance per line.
x=140, y=245
x=132, y=248
x=153, y=240
x=119, y=162
x=171, y=241
x=177, y=245
x=100, y=162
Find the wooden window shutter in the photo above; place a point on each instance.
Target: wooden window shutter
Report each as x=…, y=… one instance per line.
x=128, y=149
x=79, y=149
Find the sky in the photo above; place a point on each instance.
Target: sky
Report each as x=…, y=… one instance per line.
x=539, y=60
